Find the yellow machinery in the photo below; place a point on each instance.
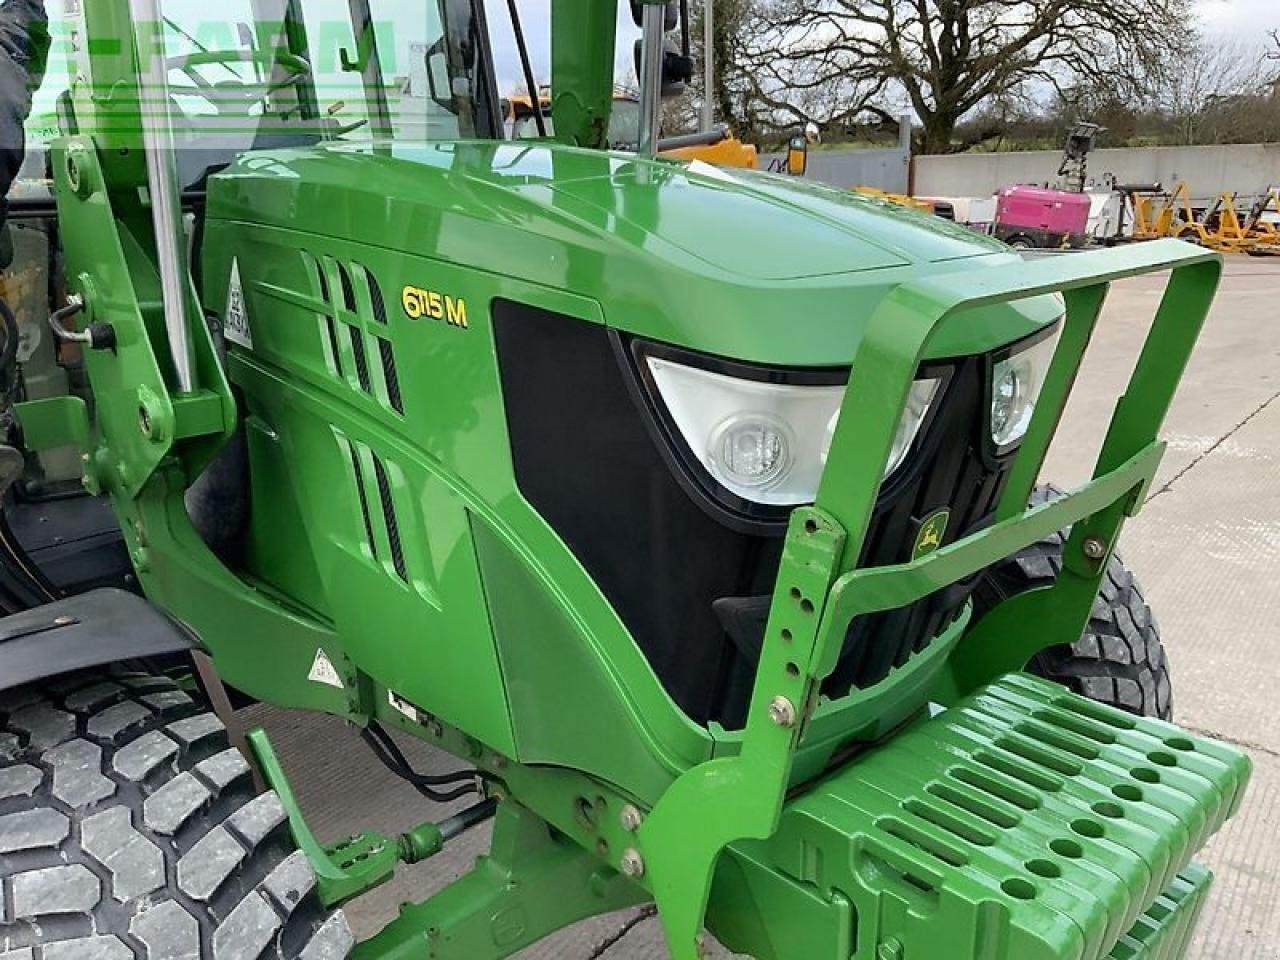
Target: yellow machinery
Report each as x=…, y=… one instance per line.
x=901, y=199
x=1265, y=233
x=1152, y=222
x=1219, y=228
x=1162, y=215
x=728, y=151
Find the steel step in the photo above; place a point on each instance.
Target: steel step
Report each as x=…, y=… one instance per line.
x=1026, y=823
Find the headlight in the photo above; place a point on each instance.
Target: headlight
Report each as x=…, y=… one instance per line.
x=919, y=400
x=1016, y=382
x=767, y=442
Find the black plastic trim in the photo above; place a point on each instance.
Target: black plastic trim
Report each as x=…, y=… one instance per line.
x=88, y=630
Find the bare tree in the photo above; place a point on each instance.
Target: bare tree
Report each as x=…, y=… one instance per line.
x=1221, y=92
x=831, y=60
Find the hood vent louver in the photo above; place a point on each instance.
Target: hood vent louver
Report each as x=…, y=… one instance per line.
x=354, y=328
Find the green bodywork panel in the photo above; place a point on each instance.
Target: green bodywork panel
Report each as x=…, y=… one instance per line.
x=792, y=278
x=391, y=568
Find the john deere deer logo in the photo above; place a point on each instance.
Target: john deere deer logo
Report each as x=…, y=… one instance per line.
x=931, y=532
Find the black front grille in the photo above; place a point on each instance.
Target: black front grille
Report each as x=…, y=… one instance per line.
x=949, y=469
x=693, y=590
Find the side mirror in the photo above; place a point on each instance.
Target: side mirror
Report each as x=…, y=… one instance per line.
x=437, y=63
x=798, y=156
x=677, y=69
x=670, y=21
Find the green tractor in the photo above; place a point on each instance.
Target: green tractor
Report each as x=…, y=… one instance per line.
x=695, y=511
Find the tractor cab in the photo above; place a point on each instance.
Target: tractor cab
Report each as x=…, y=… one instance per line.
x=697, y=510
x=272, y=74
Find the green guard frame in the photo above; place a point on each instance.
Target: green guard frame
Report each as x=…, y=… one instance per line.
x=818, y=594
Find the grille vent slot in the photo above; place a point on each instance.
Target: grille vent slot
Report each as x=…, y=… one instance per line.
x=390, y=375
x=348, y=288
x=378, y=511
x=375, y=299
x=364, y=501
x=362, y=361
x=361, y=315
x=389, y=516
x=321, y=284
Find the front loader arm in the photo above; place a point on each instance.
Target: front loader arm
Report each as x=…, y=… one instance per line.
x=122, y=232
x=819, y=592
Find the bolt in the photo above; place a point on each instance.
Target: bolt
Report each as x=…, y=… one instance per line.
x=782, y=712
x=632, y=864
x=631, y=818
x=63, y=621
x=1094, y=548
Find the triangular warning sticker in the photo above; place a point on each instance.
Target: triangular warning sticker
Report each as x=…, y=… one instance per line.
x=323, y=671
x=235, y=326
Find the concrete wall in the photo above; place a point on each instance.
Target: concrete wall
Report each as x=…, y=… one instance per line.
x=1245, y=168
x=885, y=169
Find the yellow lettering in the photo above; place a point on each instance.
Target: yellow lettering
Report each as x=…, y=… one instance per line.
x=419, y=303
x=411, y=299
x=457, y=312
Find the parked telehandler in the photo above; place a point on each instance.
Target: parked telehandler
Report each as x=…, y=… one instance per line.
x=696, y=511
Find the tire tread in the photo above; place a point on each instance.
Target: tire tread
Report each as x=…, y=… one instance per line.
x=130, y=830
x=1120, y=659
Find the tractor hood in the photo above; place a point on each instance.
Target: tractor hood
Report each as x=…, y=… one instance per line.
x=662, y=246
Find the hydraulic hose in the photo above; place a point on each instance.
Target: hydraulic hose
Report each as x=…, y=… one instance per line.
x=9, y=354
x=393, y=758
x=97, y=336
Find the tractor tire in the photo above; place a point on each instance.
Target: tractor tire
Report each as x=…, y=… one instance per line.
x=1120, y=660
x=130, y=829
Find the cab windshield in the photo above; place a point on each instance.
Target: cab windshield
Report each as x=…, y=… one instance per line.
x=248, y=74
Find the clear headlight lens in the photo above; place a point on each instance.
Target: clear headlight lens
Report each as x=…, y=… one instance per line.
x=919, y=400
x=1016, y=384
x=754, y=451
x=767, y=442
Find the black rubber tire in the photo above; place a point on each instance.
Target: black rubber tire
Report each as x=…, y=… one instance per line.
x=130, y=829
x=1121, y=659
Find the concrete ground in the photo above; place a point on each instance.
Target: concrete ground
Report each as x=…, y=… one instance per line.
x=1207, y=548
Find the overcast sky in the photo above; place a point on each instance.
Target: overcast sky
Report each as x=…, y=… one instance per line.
x=534, y=18
x=1244, y=20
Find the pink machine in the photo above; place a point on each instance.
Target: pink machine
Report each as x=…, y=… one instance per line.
x=1029, y=217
